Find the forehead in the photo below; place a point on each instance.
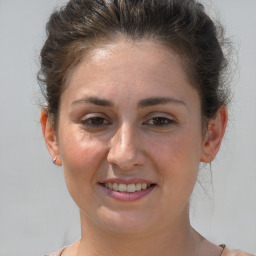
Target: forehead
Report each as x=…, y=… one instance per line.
x=134, y=54
x=144, y=67
x=122, y=47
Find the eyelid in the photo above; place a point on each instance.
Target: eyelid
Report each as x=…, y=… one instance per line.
x=163, y=118
x=171, y=120
x=89, y=117
x=160, y=114
x=94, y=114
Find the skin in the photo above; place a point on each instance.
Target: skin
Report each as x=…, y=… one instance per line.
x=130, y=136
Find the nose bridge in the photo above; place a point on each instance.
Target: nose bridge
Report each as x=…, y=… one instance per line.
x=124, y=151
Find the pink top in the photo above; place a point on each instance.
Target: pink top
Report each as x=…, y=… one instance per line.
x=225, y=252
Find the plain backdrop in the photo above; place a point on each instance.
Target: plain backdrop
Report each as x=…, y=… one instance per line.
x=37, y=214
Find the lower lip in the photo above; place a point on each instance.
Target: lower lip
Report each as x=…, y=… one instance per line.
x=126, y=196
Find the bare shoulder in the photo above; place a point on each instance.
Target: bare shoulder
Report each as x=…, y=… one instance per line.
x=236, y=253
x=70, y=250
x=210, y=249
x=58, y=253
x=240, y=253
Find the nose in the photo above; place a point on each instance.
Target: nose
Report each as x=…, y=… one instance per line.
x=124, y=151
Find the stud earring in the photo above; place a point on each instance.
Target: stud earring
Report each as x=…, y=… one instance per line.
x=54, y=159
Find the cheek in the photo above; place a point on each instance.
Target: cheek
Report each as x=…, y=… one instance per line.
x=82, y=156
x=180, y=161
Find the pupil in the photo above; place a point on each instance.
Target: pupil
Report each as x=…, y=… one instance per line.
x=159, y=120
x=97, y=120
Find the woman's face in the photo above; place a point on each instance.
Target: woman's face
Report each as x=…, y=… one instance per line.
x=130, y=119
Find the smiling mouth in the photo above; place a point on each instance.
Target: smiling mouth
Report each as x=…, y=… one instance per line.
x=130, y=188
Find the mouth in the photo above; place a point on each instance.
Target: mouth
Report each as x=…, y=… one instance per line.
x=128, y=188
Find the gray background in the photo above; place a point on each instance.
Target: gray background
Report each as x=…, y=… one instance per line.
x=37, y=214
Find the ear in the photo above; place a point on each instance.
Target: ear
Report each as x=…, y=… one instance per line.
x=215, y=131
x=50, y=137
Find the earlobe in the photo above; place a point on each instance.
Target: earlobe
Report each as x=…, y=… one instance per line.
x=50, y=137
x=215, y=131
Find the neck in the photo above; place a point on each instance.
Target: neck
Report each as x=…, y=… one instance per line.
x=180, y=239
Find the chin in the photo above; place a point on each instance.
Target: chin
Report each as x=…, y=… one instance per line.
x=126, y=222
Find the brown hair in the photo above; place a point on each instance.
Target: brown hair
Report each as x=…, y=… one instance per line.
x=182, y=25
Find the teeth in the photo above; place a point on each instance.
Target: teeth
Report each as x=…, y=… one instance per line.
x=144, y=185
x=138, y=186
x=131, y=188
x=127, y=188
x=115, y=186
x=122, y=188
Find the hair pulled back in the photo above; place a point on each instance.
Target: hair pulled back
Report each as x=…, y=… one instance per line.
x=182, y=25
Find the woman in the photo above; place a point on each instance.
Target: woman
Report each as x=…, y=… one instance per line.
x=135, y=101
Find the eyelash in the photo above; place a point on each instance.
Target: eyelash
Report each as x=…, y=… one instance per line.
x=100, y=122
x=89, y=122
x=164, y=121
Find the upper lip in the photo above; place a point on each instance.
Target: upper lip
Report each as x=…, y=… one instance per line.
x=127, y=181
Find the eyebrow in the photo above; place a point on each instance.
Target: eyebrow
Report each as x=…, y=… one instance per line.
x=159, y=100
x=95, y=101
x=142, y=103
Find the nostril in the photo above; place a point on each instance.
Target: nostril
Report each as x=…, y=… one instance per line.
x=123, y=159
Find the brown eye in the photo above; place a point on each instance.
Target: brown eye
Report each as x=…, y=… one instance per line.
x=160, y=121
x=96, y=122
